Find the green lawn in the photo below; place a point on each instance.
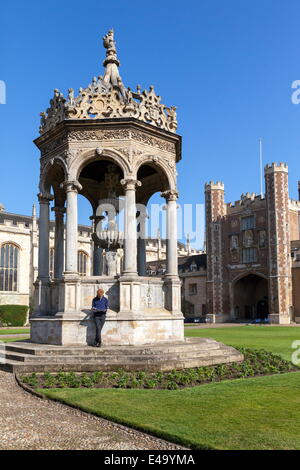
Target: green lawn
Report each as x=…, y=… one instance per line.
x=256, y=413
x=13, y=340
x=272, y=338
x=13, y=331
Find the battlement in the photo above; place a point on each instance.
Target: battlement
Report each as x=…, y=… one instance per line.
x=274, y=167
x=247, y=198
x=211, y=186
x=251, y=196
x=84, y=233
x=18, y=225
x=294, y=204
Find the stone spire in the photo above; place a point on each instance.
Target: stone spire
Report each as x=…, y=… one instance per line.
x=188, y=244
x=107, y=98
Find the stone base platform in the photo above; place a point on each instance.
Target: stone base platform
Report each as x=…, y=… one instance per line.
x=192, y=352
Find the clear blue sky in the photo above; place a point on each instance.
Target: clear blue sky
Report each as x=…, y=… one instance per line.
x=227, y=65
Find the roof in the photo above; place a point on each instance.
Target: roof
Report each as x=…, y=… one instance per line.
x=184, y=262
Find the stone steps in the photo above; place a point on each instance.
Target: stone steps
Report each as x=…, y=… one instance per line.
x=193, y=352
x=113, y=359
x=43, y=350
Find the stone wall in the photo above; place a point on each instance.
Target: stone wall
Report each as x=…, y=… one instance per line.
x=20, y=235
x=197, y=300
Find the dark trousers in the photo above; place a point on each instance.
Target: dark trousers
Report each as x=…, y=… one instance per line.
x=99, y=319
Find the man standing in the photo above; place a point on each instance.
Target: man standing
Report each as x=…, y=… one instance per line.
x=99, y=308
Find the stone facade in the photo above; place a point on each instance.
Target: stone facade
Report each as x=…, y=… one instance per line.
x=17, y=230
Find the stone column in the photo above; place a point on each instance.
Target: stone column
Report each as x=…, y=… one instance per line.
x=97, y=250
x=130, y=229
x=172, y=261
x=59, y=242
x=141, y=245
x=71, y=188
x=97, y=260
x=44, y=228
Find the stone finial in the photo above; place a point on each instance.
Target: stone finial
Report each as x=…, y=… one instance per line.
x=2, y=208
x=111, y=51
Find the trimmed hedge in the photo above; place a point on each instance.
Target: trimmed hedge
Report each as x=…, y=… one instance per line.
x=13, y=315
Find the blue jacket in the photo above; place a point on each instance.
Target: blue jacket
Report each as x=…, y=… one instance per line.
x=100, y=303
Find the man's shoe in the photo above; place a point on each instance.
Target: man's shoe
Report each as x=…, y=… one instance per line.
x=98, y=345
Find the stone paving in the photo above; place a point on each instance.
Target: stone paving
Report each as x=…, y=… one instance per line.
x=31, y=423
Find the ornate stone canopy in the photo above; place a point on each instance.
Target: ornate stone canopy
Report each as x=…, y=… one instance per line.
x=116, y=148
x=107, y=97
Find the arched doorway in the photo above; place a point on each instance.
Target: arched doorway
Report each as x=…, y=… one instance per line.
x=251, y=297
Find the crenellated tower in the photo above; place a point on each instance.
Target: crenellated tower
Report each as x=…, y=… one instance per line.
x=215, y=212
x=277, y=198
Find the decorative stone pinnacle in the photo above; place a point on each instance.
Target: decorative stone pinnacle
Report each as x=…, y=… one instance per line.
x=33, y=210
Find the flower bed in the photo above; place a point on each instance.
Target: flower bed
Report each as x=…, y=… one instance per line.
x=256, y=363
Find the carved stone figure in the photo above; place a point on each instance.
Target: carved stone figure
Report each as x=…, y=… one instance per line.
x=248, y=239
x=262, y=238
x=234, y=242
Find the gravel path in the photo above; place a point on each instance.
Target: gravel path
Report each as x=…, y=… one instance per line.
x=20, y=336
x=28, y=422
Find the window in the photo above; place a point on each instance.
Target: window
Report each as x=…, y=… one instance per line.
x=51, y=263
x=248, y=223
x=9, y=259
x=82, y=263
x=249, y=255
x=192, y=289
